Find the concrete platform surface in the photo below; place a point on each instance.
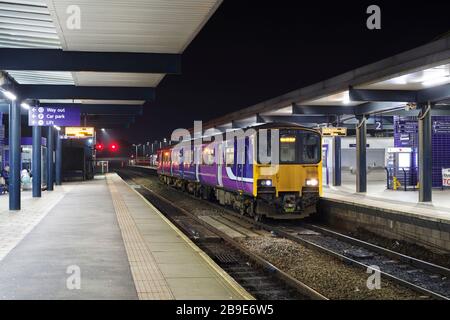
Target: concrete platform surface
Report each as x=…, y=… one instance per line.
x=101, y=240
x=405, y=202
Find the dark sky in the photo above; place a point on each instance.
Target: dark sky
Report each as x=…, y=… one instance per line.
x=253, y=50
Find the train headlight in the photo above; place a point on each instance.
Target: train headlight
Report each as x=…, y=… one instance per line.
x=265, y=183
x=312, y=182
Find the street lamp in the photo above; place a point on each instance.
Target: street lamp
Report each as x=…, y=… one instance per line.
x=137, y=146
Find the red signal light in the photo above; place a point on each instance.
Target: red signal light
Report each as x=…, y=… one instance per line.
x=114, y=147
x=99, y=147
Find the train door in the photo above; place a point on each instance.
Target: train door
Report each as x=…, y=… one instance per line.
x=243, y=164
x=219, y=161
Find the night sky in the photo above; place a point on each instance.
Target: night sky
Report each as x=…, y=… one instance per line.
x=250, y=51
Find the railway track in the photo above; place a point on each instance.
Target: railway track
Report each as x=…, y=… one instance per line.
x=428, y=279
x=260, y=278
x=421, y=276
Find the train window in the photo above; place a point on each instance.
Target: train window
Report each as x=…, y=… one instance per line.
x=310, y=147
x=208, y=156
x=229, y=154
x=299, y=146
x=288, y=148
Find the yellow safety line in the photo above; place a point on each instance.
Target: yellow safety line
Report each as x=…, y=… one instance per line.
x=231, y=282
x=148, y=279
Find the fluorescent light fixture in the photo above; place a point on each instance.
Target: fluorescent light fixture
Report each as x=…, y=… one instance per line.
x=8, y=94
x=346, y=99
x=435, y=76
x=57, y=128
x=399, y=80
x=435, y=81
x=25, y=105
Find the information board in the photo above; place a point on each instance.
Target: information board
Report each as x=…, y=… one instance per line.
x=53, y=116
x=334, y=132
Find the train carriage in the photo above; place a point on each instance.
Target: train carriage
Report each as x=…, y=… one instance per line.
x=288, y=189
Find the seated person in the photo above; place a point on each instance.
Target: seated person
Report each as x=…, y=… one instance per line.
x=25, y=179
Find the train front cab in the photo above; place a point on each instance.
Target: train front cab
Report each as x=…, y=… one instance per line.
x=292, y=188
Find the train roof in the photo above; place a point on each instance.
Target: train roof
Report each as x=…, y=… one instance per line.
x=258, y=126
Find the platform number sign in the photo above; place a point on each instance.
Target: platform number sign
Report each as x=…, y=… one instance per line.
x=446, y=177
x=379, y=123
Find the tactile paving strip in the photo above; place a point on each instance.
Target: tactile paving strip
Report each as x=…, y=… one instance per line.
x=148, y=278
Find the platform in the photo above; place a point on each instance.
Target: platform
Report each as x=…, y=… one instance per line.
x=121, y=245
x=405, y=201
x=392, y=214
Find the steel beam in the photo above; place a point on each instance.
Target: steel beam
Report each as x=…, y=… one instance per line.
x=14, y=155
x=434, y=94
x=50, y=163
x=322, y=110
x=361, y=160
x=425, y=154
x=36, y=164
x=300, y=119
x=382, y=95
x=378, y=107
x=59, y=60
x=29, y=91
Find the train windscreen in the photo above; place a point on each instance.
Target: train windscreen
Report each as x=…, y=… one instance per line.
x=299, y=147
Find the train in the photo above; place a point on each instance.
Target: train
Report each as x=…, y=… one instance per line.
x=286, y=189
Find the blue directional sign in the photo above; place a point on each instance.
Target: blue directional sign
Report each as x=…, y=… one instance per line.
x=53, y=116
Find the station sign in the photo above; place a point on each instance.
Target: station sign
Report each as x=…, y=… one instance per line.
x=334, y=132
x=441, y=127
x=407, y=127
x=79, y=132
x=53, y=116
x=446, y=177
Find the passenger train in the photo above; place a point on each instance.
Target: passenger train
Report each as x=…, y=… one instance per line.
x=289, y=189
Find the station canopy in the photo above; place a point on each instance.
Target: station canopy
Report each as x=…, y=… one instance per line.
x=399, y=85
x=108, y=62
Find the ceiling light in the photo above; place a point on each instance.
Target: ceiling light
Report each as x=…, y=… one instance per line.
x=436, y=81
x=57, y=128
x=8, y=94
x=346, y=99
x=25, y=105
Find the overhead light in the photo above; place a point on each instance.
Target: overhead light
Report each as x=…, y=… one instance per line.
x=436, y=81
x=103, y=129
x=346, y=99
x=25, y=105
x=8, y=94
x=57, y=128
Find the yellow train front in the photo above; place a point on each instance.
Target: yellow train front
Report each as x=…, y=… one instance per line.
x=292, y=188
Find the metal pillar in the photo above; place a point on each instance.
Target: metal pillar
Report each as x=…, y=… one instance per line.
x=36, y=164
x=361, y=161
x=14, y=156
x=425, y=156
x=58, y=156
x=50, y=163
x=337, y=181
